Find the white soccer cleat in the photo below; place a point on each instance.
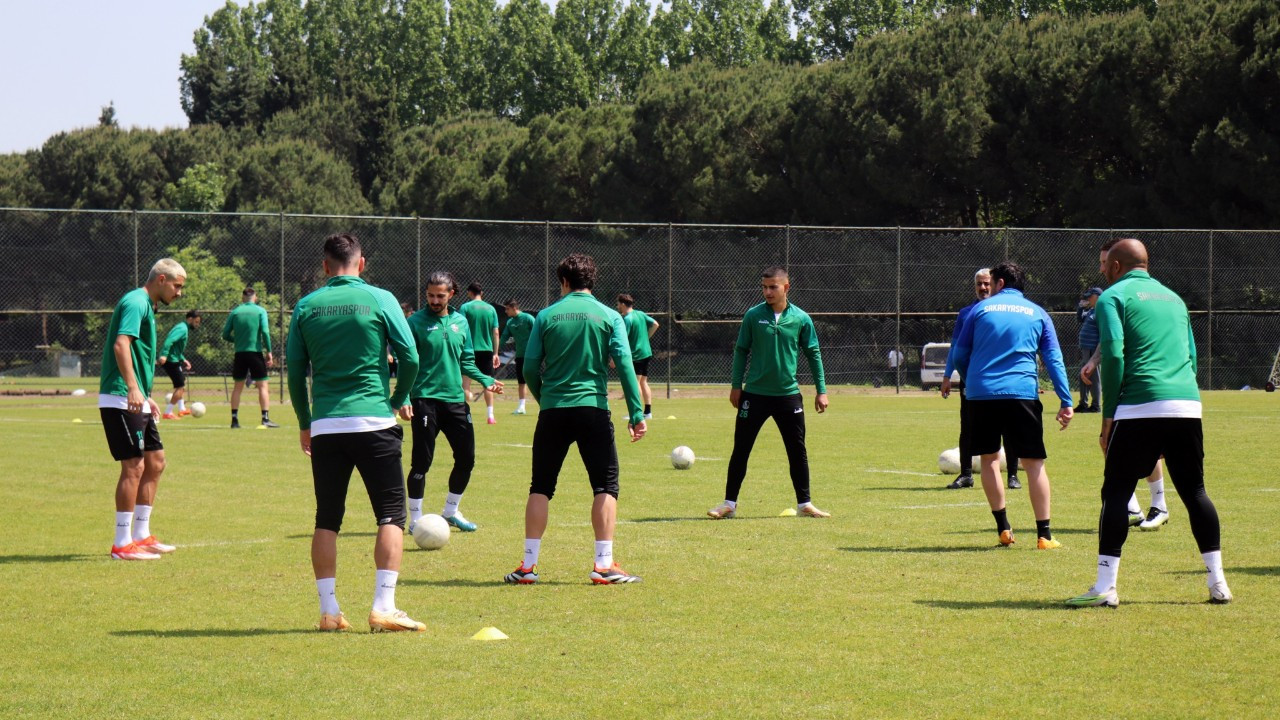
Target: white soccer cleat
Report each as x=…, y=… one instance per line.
x=1155, y=518
x=1219, y=593
x=1095, y=598
x=722, y=512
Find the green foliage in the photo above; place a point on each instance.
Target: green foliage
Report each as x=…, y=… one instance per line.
x=202, y=188
x=297, y=176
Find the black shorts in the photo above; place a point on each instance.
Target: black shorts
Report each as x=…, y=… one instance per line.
x=1137, y=444
x=377, y=455
x=641, y=366
x=1018, y=422
x=484, y=361
x=520, y=370
x=130, y=434
x=558, y=428
x=249, y=365
x=176, y=374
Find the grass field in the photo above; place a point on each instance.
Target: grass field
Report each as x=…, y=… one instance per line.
x=898, y=606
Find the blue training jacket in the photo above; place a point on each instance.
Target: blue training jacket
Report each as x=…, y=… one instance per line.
x=962, y=317
x=996, y=350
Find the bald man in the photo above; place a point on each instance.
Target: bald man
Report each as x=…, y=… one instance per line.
x=1151, y=408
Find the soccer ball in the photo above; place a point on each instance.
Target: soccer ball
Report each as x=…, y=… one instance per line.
x=431, y=532
x=949, y=461
x=197, y=409
x=682, y=458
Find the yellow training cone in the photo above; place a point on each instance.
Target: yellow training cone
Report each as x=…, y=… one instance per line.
x=671, y=417
x=789, y=512
x=489, y=633
x=77, y=420
x=262, y=427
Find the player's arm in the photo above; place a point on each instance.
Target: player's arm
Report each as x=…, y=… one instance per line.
x=265, y=330
x=169, y=341
x=741, y=350
x=951, y=360
x=227, y=335
x=533, y=361
x=620, y=351
x=809, y=343
x=1087, y=369
x=962, y=347
x=1191, y=345
x=1110, y=353
x=467, y=362
x=122, y=349
x=403, y=347
x=1051, y=353
x=653, y=325
x=298, y=362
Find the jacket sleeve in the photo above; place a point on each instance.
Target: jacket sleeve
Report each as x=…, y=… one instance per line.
x=620, y=350
x=741, y=349
x=809, y=344
x=298, y=362
x=403, y=348
x=533, y=360
x=1111, y=352
x=1051, y=352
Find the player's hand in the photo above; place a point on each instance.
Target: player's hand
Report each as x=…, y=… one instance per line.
x=497, y=361
x=135, y=400
x=160, y=361
x=611, y=366
x=496, y=387
x=946, y=388
x=735, y=397
x=637, y=431
x=820, y=403
x=271, y=360
x=186, y=365
x=406, y=412
x=1105, y=436
x=155, y=409
x=304, y=439
x=1086, y=371
x=1064, y=417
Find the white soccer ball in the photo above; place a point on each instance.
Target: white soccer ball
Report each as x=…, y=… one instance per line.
x=682, y=458
x=78, y=392
x=431, y=532
x=197, y=409
x=949, y=461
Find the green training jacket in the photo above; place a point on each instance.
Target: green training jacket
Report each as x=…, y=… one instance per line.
x=249, y=328
x=444, y=356
x=136, y=317
x=774, y=347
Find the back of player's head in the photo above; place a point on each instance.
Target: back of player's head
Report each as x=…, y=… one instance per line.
x=248, y=294
x=1011, y=273
x=475, y=289
x=193, y=314
x=342, y=249
x=626, y=299
x=167, y=267
x=512, y=303
x=579, y=270
x=774, y=271
x=445, y=278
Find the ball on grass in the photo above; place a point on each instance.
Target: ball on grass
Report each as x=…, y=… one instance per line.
x=197, y=409
x=431, y=532
x=682, y=458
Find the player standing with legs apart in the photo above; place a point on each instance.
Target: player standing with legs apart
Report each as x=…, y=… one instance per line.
x=640, y=327
x=996, y=356
x=174, y=360
x=438, y=402
x=129, y=414
x=483, y=320
x=519, y=326
x=567, y=372
x=1150, y=407
x=249, y=328
x=340, y=333
x=773, y=334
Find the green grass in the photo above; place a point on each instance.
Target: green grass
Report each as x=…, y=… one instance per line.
x=899, y=606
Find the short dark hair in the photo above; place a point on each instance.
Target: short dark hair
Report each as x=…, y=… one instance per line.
x=248, y=292
x=443, y=277
x=774, y=271
x=626, y=299
x=475, y=289
x=579, y=270
x=512, y=303
x=1011, y=273
x=193, y=313
x=1110, y=243
x=342, y=248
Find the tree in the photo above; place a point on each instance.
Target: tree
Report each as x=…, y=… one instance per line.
x=108, y=116
x=202, y=188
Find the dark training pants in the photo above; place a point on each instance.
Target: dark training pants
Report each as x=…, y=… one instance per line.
x=558, y=428
x=377, y=455
x=430, y=418
x=1132, y=452
x=787, y=412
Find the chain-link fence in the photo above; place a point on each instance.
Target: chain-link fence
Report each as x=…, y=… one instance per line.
x=869, y=290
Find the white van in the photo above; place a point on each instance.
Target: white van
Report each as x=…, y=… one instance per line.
x=933, y=361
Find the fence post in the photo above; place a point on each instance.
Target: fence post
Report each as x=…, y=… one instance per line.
x=417, y=298
x=280, y=333
x=1209, y=339
x=671, y=312
x=546, y=264
x=137, y=281
x=786, y=253
x=897, y=336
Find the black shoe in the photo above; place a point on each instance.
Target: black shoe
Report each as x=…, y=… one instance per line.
x=961, y=481
x=235, y=424
x=268, y=423
x=1081, y=408
x=1013, y=483
x=1093, y=408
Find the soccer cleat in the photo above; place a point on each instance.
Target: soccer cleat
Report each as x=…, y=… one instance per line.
x=183, y=413
x=1047, y=544
x=1093, y=409
x=132, y=552
x=168, y=416
x=648, y=416
x=1135, y=519
x=394, y=621
x=1006, y=537
x=1093, y=598
x=1219, y=593
x=1155, y=518
x=615, y=575
x=518, y=411
x=962, y=481
x=722, y=512
x=269, y=424
x=461, y=523
x=492, y=421
x=1081, y=408
x=522, y=576
x=235, y=424
x=333, y=623
x=1013, y=483
x=812, y=511
x=151, y=544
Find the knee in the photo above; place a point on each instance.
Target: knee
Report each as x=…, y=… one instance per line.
x=131, y=469
x=155, y=462
x=330, y=518
x=543, y=487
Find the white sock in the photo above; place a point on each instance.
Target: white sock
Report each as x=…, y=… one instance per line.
x=1213, y=563
x=123, y=521
x=604, y=554
x=415, y=509
x=521, y=405
x=800, y=507
x=141, y=522
x=1108, y=570
x=1134, y=507
x=182, y=404
x=531, y=548
x=451, y=502
x=490, y=412
x=384, y=591
x=1157, y=494
x=168, y=409
x=328, y=598
x=733, y=504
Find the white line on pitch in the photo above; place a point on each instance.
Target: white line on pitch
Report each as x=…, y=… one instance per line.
x=901, y=472
x=1268, y=489
x=224, y=543
x=944, y=505
x=511, y=445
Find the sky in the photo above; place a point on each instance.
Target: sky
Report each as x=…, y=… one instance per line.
x=63, y=60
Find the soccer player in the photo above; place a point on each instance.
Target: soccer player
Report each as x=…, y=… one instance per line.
x=1150, y=407
x=567, y=373
x=129, y=414
x=483, y=320
x=339, y=332
x=773, y=334
x=248, y=327
x=996, y=355
x=640, y=327
x=437, y=400
x=173, y=358
x=519, y=326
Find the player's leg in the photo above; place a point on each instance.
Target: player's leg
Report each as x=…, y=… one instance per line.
x=174, y=371
x=125, y=433
x=600, y=458
x=153, y=464
x=1158, y=511
x=1183, y=444
x=788, y=415
x=520, y=409
x=965, y=478
x=551, y=440
x=239, y=373
x=425, y=428
x=261, y=378
x=642, y=377
x=377, y=457
x=1024, y=439
x=1011, y=463
x=455, y=423
x=484, y=361
x=331, y=468
x=752, y=413
x=986, y=422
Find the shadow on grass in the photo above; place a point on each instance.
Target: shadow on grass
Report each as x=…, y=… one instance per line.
x=1261, y=571
x=932, y=488
x=212, y=632
x=700, y=518
x=930, y=549
x=461, y=582
x=70, y=557
x=1030, y=532
x=307, y=536
x=995, y=604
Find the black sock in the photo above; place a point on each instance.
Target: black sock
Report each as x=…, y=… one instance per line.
x=1042, y=530
x=648, y=409
x=234, y=414
x=1002, y=522
x=264, y=416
